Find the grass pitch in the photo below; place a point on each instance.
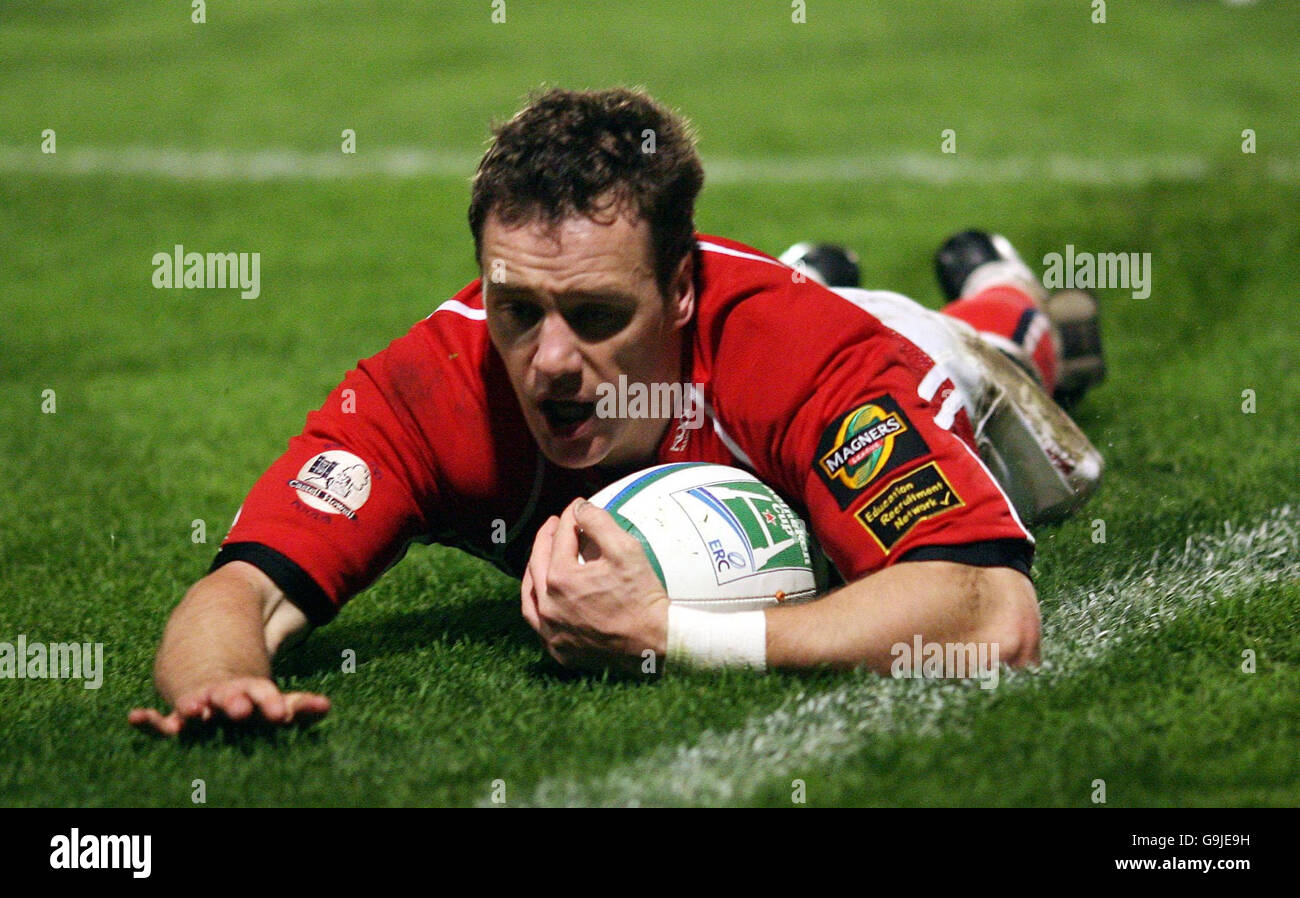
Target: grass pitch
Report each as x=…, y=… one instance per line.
x=1124, y=136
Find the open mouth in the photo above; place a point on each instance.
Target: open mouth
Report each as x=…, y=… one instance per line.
x=564, y=417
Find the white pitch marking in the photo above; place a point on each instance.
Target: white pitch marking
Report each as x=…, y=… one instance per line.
x=174, y=163
x=1080, y=631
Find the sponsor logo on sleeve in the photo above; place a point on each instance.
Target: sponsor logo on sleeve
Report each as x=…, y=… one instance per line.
x=336, y=482
x=864, y=444
x=906, y=501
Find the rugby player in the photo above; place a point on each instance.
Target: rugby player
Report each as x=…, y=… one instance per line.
x=478, y=429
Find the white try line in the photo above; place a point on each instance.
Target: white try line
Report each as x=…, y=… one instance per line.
x=810, y=731
x=412, y=162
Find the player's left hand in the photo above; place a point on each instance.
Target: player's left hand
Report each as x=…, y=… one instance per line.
x=606, y=612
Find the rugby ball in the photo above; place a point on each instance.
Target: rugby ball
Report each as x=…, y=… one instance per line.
x=717, y=537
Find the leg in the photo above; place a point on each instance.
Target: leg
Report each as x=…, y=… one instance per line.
x=1053, y=336
x=1042, y=459
x=1009, y=318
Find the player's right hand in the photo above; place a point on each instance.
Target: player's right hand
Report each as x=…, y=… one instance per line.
x=249, y=700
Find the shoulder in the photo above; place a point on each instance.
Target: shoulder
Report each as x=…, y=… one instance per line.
x=747, y=298
x=444, y=356
x=441, y=387
x=766, y=332
x=458, y=323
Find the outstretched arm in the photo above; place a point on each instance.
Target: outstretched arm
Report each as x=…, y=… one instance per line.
x=216, y=652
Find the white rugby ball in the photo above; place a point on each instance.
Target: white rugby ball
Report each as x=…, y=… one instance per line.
x=717, y=537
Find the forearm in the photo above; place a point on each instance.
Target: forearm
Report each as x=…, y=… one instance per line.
x=859, y=624
x=215, y=633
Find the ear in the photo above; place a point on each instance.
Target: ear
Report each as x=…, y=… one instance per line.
x=682, y=301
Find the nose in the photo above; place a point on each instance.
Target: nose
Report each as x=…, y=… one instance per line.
x=557, y=355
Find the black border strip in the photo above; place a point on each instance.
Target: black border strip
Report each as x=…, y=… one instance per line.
x=1013, y=553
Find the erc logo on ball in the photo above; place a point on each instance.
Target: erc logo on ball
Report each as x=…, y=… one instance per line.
x=337, y=482
x=745, y=527
x=717, y=537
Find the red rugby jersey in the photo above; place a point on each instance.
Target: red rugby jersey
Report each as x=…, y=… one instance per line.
x=425, y=442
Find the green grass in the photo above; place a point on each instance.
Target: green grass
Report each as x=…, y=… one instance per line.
x=1172, y=721
x=170, y=403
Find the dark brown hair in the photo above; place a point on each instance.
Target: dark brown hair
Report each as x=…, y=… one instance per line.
x=590, y=152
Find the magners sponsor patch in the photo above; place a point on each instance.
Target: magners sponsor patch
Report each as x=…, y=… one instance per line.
x=858, y=447
x=907, y=501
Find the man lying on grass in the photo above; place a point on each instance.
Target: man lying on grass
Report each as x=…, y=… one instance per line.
x=483, y=420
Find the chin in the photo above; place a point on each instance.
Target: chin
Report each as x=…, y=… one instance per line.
x=568, y=455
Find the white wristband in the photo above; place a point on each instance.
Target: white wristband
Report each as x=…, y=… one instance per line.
x=716, y=639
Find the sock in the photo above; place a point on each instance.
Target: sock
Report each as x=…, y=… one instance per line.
x=1010, y=319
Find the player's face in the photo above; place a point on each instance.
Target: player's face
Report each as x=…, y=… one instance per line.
x=571, y=307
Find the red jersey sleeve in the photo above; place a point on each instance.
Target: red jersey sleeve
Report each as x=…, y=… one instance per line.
x=344, y=501
x=831, y=413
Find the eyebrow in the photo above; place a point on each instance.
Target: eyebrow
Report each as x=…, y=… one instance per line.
x=570, y=296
